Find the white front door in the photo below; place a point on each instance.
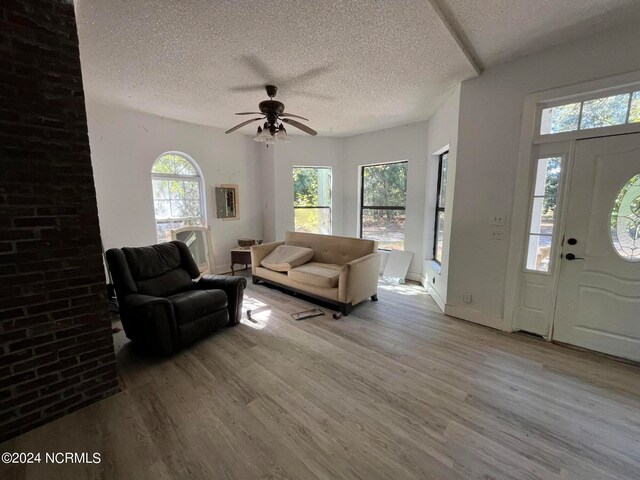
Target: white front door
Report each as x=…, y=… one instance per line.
x=598, y=303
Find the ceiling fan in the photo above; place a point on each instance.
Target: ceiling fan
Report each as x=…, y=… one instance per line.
x=273, y=129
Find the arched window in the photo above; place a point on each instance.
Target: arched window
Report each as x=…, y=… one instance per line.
x=178, y=193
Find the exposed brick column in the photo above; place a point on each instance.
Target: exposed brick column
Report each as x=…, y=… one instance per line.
x=55, y=337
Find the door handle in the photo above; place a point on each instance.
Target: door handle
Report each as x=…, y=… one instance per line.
x=571, y=256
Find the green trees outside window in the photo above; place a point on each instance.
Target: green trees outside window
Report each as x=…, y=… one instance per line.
x=312, y=199
x=383, y=204
x=177, y=194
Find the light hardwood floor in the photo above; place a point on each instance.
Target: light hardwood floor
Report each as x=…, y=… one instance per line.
x=395, y=390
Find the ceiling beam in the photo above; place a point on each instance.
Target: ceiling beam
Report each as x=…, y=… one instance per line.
x=458, y=35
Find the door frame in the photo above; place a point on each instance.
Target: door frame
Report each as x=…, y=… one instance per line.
x=530, y=139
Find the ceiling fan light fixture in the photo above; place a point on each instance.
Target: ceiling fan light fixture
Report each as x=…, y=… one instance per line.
x=281, y=135
x=273, y=130
x=259, y=137
x=265, y=134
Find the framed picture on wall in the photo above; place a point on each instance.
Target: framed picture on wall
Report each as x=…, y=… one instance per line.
x=227, y=202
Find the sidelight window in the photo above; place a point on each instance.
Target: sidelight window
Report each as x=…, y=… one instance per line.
x=543, y=213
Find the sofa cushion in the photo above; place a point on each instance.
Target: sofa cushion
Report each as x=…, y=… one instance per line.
x=318, y=274
x=192, y=305
x=331, y=248
x=285, y=257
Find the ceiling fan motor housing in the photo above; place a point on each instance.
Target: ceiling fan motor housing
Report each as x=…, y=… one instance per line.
x=271, y=106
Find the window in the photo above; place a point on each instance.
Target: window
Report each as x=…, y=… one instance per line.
x=312, y=199
x=597, y=113
x=383, y=200
x=543, y=208
x=625, y=221
x=178, y=195
x=438, y=240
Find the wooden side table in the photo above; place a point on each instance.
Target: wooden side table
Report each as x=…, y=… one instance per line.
x=241, y=256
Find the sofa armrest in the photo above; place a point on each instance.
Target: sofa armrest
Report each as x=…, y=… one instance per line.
x=232, y=286
x=362, y=278
x=258, y=252
x=150, y=322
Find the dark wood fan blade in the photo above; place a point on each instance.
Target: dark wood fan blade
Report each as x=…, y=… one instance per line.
x=243, y=124
x=285, y=114
x=249, y=113
x=300, y=126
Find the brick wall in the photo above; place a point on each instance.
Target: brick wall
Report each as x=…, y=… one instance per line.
x=55, y=339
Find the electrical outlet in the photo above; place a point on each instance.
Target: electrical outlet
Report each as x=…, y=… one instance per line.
x=496, y=234
x=466, y=297
x=497, y=220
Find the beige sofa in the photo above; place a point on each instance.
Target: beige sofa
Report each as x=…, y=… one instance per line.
x=343, y=271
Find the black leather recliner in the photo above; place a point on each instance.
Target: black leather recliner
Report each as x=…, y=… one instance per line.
x=161, y=306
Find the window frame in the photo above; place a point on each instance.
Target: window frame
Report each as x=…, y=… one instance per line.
x=362, y=206
x=330, y=207
x=582, y=98
x=168, y=176
x=558, y=225
x=438, y=208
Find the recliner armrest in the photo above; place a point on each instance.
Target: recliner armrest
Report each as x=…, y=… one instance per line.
x=150, y=321
x=232, y=286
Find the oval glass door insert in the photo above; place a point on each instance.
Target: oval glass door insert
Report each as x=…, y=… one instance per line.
x=625, y=221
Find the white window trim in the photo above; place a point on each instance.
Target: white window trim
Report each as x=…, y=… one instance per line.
x=630, y=88
x=330, y=190
x=199, y=176
x=558, y=217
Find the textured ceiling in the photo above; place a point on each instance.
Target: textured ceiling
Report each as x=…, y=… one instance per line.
x=501, y=30
x=349, y=66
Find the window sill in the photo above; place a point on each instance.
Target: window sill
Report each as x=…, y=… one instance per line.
x=436, y=266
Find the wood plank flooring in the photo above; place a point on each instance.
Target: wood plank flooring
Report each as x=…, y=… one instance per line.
x=394, y=391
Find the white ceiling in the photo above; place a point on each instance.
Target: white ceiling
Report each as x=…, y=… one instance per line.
x=500, y=30
x=348, y=66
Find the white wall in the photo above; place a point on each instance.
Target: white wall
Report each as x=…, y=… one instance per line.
x=124, y=145
x=443, y=134
x=488, y=142
x=267, y=169
x=408, y=142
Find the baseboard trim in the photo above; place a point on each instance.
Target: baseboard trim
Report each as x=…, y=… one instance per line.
x=435, y=295
x=476, y=316
x=416, y=277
